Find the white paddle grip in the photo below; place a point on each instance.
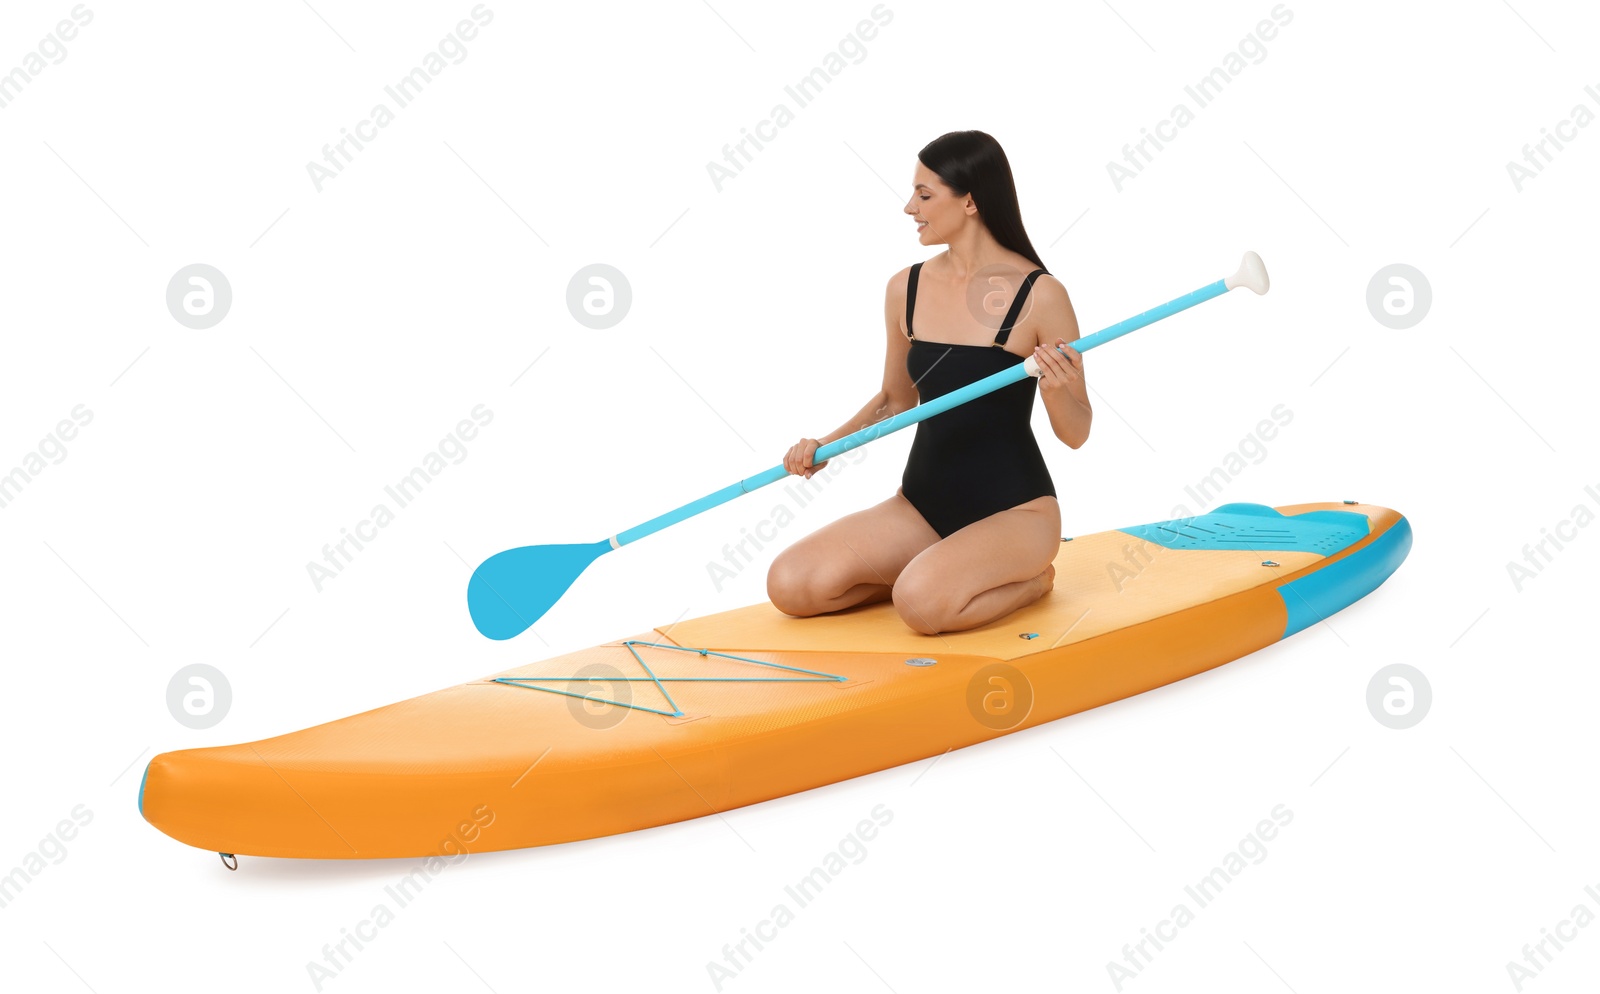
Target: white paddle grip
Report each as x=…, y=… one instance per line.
x=1252, y=274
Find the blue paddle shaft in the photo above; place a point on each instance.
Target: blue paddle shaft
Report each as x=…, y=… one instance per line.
x=921, y=412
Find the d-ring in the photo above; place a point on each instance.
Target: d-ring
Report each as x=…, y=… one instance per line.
x=227, y=856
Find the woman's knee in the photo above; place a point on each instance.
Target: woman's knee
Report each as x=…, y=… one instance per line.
x=787, y=586
x=801, y=584
x=922, y=603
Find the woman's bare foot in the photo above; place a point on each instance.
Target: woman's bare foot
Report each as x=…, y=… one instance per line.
x=1047, y=579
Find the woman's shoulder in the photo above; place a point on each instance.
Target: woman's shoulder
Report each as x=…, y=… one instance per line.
x=1045, y=287
x=1051, y=307
x=1048, y=287
x=900, y=282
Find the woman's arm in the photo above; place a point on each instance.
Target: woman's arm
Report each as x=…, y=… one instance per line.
x=1062, y=387
x=897, y=393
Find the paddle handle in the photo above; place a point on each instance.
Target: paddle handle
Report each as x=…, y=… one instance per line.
x=1251, y=274
x=1151, y=316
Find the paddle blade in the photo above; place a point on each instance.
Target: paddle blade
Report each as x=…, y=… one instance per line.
x=512, y=589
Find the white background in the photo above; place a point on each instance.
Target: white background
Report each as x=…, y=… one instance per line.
x=370, y=317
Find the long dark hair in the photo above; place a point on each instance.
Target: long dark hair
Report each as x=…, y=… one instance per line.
x=972, y=162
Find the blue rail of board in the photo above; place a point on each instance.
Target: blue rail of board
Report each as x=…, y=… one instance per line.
x=1337, y=585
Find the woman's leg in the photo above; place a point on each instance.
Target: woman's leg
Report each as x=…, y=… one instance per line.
x=983, y=571
x=854, y=560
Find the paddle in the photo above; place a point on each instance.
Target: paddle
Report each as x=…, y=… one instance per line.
x=511, y=590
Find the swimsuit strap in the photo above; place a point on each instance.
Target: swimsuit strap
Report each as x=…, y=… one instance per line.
x=1016, y=307
x=911, y=298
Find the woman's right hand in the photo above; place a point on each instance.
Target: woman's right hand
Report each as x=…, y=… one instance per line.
x=798, y=459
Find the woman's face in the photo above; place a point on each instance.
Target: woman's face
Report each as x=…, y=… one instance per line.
x=939, y=213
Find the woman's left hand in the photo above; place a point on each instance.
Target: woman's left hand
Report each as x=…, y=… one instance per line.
x=1060, y=368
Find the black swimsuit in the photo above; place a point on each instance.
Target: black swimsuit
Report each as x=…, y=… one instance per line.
x=980, y=457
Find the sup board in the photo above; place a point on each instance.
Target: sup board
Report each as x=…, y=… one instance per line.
x=714, y=713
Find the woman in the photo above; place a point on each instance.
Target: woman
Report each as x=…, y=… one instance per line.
x=971, y=533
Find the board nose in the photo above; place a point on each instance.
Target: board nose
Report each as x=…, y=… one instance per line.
x=226, y=800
